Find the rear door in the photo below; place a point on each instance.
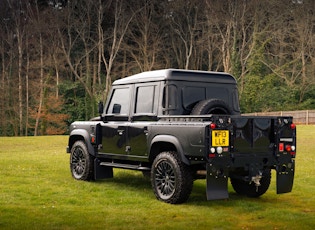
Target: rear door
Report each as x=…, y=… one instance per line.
x=145, y=108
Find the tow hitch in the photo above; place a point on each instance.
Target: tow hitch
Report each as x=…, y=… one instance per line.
x=256, y=179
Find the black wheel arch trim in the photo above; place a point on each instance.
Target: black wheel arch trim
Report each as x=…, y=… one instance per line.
x=80, y=134
x=171, y=140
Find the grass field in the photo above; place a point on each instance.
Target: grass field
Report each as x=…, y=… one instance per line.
x=38, y=192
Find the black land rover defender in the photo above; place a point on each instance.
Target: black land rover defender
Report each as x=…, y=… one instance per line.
x=181, y=125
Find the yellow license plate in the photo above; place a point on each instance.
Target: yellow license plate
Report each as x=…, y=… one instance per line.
x=220, y=138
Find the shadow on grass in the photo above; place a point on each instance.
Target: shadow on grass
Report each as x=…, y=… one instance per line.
x=134, y=181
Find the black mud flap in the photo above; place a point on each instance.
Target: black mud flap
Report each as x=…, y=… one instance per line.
x=216, y=183
x=102, y=172
x=285, y=176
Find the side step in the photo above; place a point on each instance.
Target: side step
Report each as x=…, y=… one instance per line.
x=125, y=166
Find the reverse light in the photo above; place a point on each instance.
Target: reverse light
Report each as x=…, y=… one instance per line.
x=219, y=150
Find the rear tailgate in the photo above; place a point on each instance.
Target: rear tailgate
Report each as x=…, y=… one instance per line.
x=250, y=144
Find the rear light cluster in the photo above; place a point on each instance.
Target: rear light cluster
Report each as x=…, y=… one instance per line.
x=289, y=148
x=218, y=150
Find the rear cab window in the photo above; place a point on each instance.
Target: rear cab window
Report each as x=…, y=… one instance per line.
x=146, y=99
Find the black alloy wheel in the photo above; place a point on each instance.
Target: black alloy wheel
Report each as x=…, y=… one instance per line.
x=171, y=179
x=81, y=162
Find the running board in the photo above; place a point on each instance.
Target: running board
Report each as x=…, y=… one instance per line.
x=125, y=166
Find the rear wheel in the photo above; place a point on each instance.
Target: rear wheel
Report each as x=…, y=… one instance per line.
x=171, y=179
x=249, y=188
x=81, y=162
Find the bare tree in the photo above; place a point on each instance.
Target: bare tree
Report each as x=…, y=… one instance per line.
x=114, y=38
x=18, y=17
x=183, y=18
x=69, y=35
x=144, y=37
x=292, y=45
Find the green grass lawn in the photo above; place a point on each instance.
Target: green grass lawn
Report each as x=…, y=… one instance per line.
x=38, y=192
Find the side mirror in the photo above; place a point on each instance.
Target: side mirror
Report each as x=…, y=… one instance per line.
x=100, y=108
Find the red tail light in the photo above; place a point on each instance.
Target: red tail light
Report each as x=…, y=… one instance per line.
x=292, y=126
x=213, y=126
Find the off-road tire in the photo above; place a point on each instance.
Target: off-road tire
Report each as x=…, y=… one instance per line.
x=249, y=189
x=171, y=179
x=81, y=162
x=211, y=106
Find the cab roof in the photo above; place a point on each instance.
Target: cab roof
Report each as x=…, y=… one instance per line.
x=178, y=75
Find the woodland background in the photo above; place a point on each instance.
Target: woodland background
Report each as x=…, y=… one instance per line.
x=58, y=58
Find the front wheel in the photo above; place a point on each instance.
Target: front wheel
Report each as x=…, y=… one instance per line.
x=81, y=162
x=171, y=179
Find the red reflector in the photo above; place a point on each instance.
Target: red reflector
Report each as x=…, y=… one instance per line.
x=292, y=154
x=93, y=140
x=213, y=126
x=281, y=147
x=211, y=155
x=225, y=149
x=292, y=126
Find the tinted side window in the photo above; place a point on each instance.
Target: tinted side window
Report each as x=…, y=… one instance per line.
x=191, y=95
x=145, y=99
x=120, y=102
x=220, y=92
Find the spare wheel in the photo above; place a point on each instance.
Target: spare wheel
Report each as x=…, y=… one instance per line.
x=211, y=106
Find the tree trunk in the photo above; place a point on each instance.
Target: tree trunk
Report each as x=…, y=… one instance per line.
x=41, y=85
x=27, y=92
x=20, y=83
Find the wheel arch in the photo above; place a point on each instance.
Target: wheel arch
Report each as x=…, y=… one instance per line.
x=163, y=143
x=81, y=135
